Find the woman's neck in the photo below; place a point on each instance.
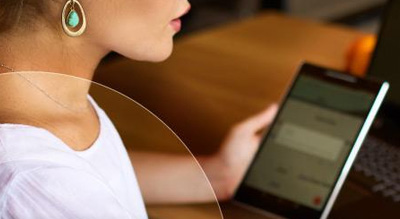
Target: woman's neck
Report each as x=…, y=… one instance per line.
x=55, y=102
x=49, y=52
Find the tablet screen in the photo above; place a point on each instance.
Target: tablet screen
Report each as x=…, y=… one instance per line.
x=310, y=141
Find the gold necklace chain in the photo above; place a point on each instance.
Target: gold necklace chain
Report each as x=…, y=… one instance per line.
x=44, y=92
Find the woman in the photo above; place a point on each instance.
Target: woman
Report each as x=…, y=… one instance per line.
x=60, y=155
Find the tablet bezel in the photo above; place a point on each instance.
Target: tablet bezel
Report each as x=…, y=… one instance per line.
x=283, y=207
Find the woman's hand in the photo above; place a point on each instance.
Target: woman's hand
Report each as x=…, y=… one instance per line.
x=182, y=182
x=226, y=168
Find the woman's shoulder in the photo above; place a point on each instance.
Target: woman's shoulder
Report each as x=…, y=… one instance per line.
x=37, y=173
x=24, y=148
x=54, y=191
x=19, y=142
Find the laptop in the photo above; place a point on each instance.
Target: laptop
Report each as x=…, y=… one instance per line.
x=377, y=167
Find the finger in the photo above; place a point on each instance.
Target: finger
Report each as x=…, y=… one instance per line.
x=262, y=119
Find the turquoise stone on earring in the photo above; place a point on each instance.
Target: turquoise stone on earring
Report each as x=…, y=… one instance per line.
x=73, y=19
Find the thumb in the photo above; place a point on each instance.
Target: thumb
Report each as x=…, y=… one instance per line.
x=262, y=119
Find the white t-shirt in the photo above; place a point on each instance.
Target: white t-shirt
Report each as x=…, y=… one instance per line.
x=41, y=177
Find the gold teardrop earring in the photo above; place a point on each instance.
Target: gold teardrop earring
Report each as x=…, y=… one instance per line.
x=73, y=21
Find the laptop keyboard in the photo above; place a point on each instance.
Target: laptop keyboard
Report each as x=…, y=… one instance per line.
x=380, y=161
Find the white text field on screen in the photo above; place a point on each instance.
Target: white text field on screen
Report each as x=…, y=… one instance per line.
x=309, y=141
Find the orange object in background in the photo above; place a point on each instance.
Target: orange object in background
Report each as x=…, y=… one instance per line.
x=359, y=55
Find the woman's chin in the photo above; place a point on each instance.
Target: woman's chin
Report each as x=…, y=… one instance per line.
x=149, y=54
x=160, y=58
x=157, y=56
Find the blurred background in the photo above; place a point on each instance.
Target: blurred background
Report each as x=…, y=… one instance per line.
x=361, y=14
x=248, y=39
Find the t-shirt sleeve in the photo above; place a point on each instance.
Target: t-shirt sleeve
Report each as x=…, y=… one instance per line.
x=59, y=192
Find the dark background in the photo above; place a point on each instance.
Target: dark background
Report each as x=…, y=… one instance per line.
x=362, y=14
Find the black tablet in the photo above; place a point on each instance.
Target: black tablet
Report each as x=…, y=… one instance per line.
x=305, y=157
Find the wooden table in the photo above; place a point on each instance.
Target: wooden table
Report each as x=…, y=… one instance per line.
x=218, y=77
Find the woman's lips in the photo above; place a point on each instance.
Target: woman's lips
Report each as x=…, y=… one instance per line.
x=176, y=24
